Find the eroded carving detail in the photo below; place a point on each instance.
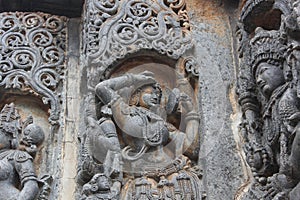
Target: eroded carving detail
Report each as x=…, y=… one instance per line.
x=18, y=179
x=32, y=52
x=141, y=137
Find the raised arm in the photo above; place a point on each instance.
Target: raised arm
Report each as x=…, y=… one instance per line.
x=192, y=119
x=107, y=90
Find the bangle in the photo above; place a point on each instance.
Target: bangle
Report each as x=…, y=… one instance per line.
x=130, y=78
x=192, y=116
x=182, y=81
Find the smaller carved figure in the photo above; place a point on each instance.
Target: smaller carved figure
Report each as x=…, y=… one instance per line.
x=100, y=188
x=104, y=148
x=18, y=180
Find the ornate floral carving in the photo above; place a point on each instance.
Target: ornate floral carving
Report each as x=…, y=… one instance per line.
x=191, y=66
x=114, y=29
x=32, y=48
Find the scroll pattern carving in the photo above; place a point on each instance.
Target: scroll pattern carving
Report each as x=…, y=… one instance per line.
x=117, y=28
x=32, y=49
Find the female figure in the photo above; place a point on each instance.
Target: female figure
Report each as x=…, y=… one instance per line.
x=155, y=151
x=137, y=115
x=17, y=176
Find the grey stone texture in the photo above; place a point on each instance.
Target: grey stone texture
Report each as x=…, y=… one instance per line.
x=225, y=174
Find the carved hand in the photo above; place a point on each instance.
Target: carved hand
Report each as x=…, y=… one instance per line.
x=88, y=166
x=143, y=78
x=186, y=103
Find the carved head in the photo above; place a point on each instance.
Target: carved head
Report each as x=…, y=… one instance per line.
x=268, y=50
x=269, y=77
x=147, y=96
x=33, y=134
x=99, y=182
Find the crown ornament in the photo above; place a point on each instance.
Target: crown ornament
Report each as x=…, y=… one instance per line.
x=268, y=46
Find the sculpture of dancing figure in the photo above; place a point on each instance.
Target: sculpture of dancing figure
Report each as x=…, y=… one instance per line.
x=153, y=147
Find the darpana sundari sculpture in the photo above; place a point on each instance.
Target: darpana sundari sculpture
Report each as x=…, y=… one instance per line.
x=268, y=89
x=142, y=122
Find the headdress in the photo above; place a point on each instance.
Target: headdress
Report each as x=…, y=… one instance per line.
x=267, y=46
x=9, y=115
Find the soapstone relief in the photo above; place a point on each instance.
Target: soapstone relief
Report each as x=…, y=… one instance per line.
x=269, y=96
x=20, y=141
x=32, y=56
x=134, y=144
x=142, y=120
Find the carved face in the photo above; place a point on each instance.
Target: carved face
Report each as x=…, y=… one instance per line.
x=103, y=183
x=33, y=134
x=268, y=78
x=149, y=97
x=296, y=10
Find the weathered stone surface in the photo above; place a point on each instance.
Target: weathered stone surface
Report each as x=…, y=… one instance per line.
x=198, y=40
x=219, y=154
x=268, y=88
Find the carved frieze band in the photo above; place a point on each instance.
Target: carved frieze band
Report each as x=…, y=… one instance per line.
x=32, y=49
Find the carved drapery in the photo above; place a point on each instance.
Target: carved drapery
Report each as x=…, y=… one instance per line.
x=32, y=55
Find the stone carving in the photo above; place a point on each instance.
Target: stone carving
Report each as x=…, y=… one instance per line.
x=18, y=179
x=268, y=94
x=133, y=143
x=32, y=52
x=142, y=138
x=99, y=187
x=115, y=29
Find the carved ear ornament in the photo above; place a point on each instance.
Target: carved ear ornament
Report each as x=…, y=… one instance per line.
x=267, y=46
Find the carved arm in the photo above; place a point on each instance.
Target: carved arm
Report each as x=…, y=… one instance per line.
x=29, y=190
x=106, y=90
x=25, y=169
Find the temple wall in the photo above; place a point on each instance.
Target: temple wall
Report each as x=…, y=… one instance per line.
x=223, y=172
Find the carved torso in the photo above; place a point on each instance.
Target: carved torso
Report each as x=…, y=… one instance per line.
x=14, y=165
x=139, y=122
